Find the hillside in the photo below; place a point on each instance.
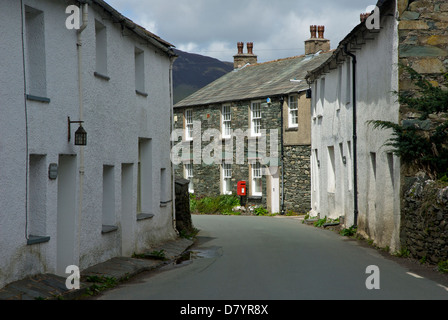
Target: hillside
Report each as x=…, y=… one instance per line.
x=191, y=72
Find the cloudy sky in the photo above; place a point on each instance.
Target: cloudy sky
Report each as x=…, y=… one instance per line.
x=278, y=28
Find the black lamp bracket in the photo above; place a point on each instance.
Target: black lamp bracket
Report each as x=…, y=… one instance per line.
x=69, y=123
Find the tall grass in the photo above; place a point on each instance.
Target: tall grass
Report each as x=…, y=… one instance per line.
x=222, y=204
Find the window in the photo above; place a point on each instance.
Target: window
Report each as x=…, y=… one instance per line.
x=139, y=71
x=163, y=186
x=322, y=97
x=226, y=178
x=188, y=125
x=293, y=114
x=256, y=118
x=101, y=48
x=256, y=186
x=145, y=183
x=390, y=163
x=349, y=165
x=339, y=102
x=348, y=84
x=188, y=171
x=37, y=195
x=331, y=171
x=226, y=122
x=35, y=52
x=108, y=196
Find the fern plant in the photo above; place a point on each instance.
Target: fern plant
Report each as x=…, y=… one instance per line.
x=424, y=149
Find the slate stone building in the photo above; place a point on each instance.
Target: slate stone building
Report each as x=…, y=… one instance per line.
x=259, y=117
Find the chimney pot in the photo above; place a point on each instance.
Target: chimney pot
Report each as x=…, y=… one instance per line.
x=240, y=47
x=321, y=30
x=313, y=30
x=250, y=47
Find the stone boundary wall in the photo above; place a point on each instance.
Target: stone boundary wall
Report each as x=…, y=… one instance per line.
x=424, y=227
x=297, y=176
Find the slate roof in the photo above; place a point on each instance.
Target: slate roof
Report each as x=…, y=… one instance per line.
x=259, y=80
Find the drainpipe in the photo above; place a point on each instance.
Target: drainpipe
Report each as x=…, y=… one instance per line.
x=355, y=164
x=173, y=179
x=81, y=105
x=282, y=211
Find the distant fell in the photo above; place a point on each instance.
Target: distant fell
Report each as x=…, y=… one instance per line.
x=192, y=72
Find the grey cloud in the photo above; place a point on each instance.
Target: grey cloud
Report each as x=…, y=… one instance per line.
x=273, y=26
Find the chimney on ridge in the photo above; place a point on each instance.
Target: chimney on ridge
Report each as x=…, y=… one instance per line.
x=241, y=59
x=317, y=43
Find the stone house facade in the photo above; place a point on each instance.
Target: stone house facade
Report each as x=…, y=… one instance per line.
x=244, y=109
x=64, y=204
x=354, y=175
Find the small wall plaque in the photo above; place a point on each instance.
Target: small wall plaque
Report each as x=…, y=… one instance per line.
x=53, y=171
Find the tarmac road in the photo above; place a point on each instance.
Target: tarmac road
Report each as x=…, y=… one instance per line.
x=277, y=258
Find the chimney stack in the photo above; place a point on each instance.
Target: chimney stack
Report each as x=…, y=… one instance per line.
x=241, y=59
x=363, y=16
x=317, y=42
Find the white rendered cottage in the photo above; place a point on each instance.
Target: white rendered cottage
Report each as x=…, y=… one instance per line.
x=64, y=204
x=358, y=178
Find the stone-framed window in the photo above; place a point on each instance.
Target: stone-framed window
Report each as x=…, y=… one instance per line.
x=255, y=118
x=293, y=111
x=226, y=121
x=188, y=124
x=226, y=178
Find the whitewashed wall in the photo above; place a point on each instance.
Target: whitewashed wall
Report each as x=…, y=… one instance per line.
x=332, y=133
x=115, y=119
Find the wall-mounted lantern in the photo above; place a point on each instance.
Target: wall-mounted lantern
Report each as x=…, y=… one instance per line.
x=308, y=93
x=80, y=134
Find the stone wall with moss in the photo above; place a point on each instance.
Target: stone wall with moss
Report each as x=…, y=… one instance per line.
x=424, y=231
x=423, y=42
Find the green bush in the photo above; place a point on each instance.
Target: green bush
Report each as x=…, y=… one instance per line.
x=222, y=204
x=260, y=211
x=348, y=232
x=442, y=266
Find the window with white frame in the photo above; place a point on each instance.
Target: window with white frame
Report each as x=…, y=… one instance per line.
x=256, y=183
x=226, y=121
x=189, y=124
x=293, y=114
x=255, y=118
x=226, y=178
x=188, y=171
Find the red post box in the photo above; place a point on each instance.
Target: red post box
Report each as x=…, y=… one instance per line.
x=241, y=188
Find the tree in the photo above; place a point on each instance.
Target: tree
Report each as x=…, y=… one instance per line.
x=421, y=143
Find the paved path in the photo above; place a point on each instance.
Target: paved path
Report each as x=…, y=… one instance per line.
x=50, y=286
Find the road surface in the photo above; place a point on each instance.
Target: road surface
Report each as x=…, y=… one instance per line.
x=277, y=258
